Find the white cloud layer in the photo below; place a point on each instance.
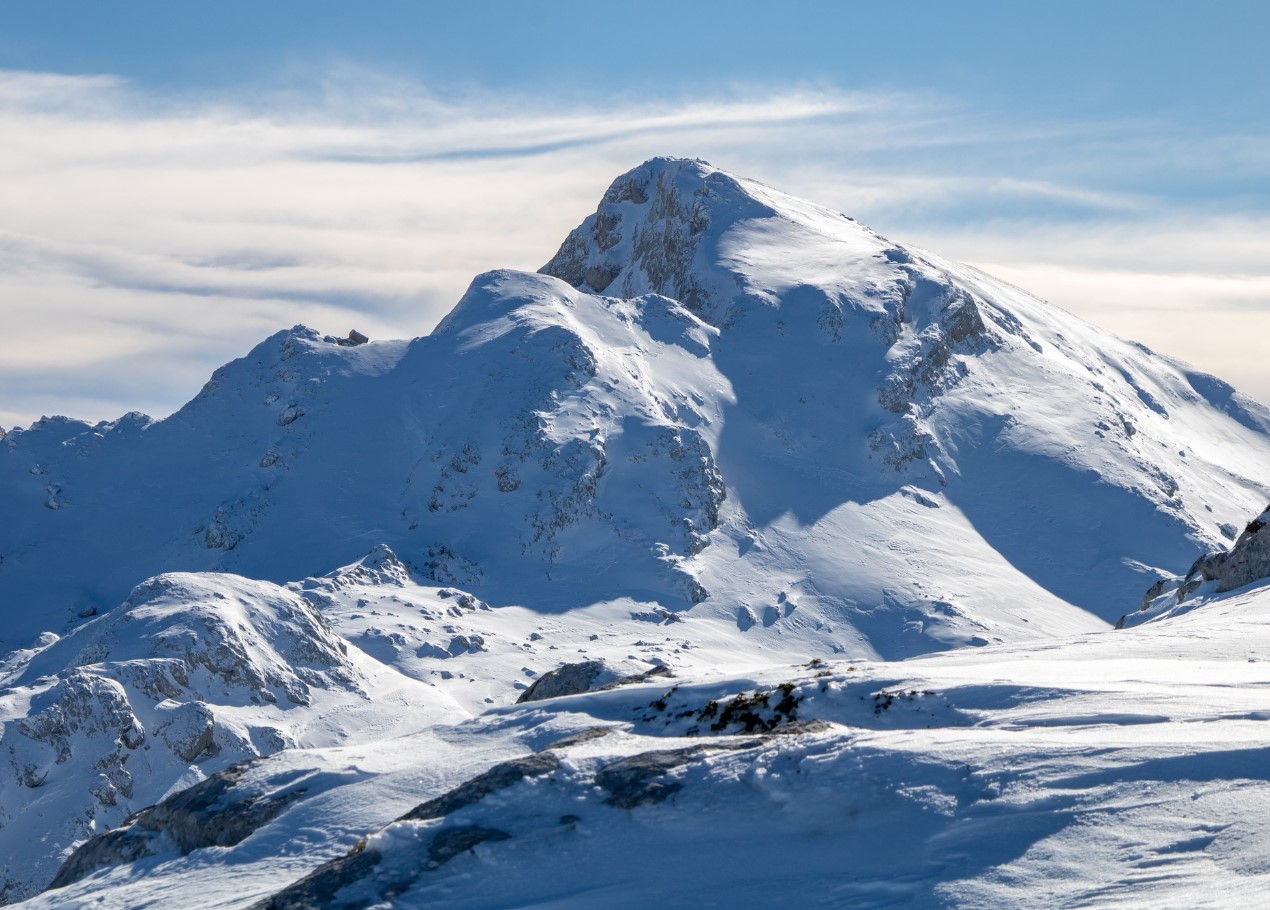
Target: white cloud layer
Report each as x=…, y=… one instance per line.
x=146, y=239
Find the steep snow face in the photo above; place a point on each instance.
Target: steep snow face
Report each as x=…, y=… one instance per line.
x=859, y=365
x=721, y=399
x=190, y=674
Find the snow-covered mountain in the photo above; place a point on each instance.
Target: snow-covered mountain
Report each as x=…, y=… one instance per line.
x=724, y=435
x=772, y=405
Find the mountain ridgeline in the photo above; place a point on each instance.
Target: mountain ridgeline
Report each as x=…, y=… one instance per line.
x=714, y=398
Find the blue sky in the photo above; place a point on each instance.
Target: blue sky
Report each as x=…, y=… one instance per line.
x=183, y=179
x=1106, y=58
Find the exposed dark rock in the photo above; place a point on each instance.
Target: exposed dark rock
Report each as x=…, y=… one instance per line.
x=659, y=615
x=582, y=736
x=317, y=890
x=587, y=676
x=123, y=845
x=637, y=779
x=462, y=644
x=763, y=712
x=209, y=814
x=473, y=791
x=659, y=672
x=802, y=727
x=1160, y=586
x=450, y=842
x=570, y=679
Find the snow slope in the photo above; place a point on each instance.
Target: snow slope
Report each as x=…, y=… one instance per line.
x=1113, y=769
x=772, y=405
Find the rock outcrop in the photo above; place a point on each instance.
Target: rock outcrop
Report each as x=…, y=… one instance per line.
x=586, y=676
x=571, y=679
x=373, y=863
x=210, y=814
x=1246, y=562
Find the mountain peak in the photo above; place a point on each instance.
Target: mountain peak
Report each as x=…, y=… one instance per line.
x=657, y=230
x=719, y=244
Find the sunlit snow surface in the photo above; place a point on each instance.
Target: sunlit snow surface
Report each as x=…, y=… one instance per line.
x=1110, y=769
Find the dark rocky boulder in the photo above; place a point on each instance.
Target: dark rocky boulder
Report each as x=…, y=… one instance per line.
x=587, y=676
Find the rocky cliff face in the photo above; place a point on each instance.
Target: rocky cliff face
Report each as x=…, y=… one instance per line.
x=1246, y=562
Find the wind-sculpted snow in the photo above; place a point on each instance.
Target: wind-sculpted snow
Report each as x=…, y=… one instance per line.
x=1060, y=774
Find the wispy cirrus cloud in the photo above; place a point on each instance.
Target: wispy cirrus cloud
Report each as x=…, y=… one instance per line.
x=147, y=238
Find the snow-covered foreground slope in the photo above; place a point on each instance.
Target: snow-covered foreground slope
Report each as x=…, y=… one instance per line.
x=1119, y=768
x=197, y=671
x=770, y=411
